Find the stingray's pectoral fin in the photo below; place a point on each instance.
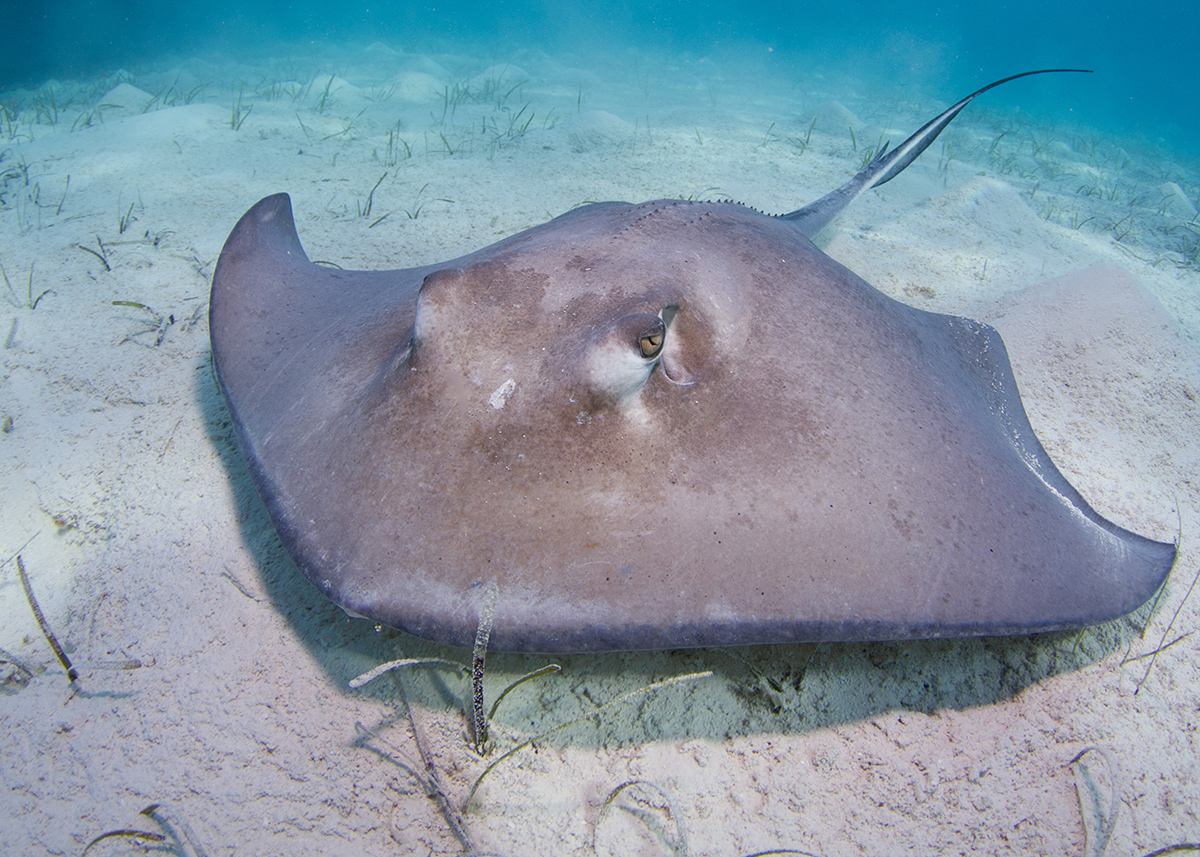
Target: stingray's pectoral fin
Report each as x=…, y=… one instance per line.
x=294, y=341
x=886, y=165
x=1107, y=571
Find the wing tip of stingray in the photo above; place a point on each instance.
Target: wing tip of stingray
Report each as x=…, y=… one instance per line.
x=268, y=227
x=263, y=238
x=1161, y=558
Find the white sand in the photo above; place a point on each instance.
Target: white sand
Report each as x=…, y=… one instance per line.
x=123, y=490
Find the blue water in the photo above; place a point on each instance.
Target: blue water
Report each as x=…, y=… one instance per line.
x=1143, y=53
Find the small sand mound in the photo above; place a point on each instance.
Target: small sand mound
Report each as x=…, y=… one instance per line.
x=833, y=117
x=124, y=99
x=417, y=86
x=327, y=87
x=987, y=202
x=413, y=62
x=595, y=130
x=1175, y=201
x=498, y=76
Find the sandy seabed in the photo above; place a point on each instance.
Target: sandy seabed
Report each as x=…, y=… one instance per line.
x=213, y=680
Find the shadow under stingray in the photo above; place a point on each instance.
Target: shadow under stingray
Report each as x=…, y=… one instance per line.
x=776, y=689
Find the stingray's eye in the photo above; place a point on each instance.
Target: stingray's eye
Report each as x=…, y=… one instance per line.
x=623, y=355
x=651, y=342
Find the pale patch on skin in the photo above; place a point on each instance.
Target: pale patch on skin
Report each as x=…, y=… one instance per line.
x=502, y=394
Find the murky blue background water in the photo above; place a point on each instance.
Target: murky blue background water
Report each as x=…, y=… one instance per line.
x=1143, y=53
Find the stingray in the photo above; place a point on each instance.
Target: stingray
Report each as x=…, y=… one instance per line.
x=662, y=425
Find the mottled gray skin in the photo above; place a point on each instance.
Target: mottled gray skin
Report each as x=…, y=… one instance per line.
x=805, y=459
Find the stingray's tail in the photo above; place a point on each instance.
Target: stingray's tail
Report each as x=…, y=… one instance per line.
x=886, y=165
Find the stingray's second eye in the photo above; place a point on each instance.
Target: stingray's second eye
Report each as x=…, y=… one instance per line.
x=650, y=344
